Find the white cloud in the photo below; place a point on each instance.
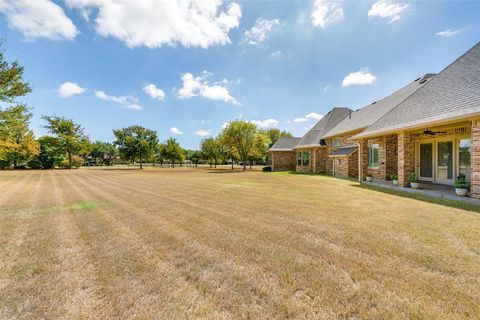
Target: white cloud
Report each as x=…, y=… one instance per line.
x=69, y=89
x=133, y=106
x=175, y=131
x=326, y=13
x=203, y=133
x=447, y=33
x=194, y=86
x=388, y=10
x=154, y=23
x=265, y=124
x=358, y=78
x=127, y=102
x=310, y=116
x=275, y=54
x=38, y=19
x=154, y=92
x=258, y=33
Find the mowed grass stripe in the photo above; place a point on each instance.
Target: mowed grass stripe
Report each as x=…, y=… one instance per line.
x=152, y=266
x=142, y=189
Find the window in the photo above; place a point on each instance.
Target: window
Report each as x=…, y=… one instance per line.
x=464, y=146
x=303, y=158
x=306, y=158
x=373, y=155
x=336, y=142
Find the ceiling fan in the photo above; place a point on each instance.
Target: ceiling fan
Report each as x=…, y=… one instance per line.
x=432, y=133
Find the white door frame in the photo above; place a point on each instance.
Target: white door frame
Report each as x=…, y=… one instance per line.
x=434, y=142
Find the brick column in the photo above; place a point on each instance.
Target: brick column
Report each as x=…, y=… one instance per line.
x=475, y=160
x=362, y=159
x=406, y=158
x=273, y=160
x=314, y=156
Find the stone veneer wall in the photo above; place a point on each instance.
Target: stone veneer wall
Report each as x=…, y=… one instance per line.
x=340, y=165
x=282, y=160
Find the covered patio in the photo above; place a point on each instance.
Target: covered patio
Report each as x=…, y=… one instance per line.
x=426, y=188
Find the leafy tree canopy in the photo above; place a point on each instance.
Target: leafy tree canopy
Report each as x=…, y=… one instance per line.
x=135, y=142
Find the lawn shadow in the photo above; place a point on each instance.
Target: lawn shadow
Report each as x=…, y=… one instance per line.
x=421, y=197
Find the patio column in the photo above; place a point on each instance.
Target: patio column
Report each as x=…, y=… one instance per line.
x=406, y=158
x=362, y=159
x=273, y=160
x=475, y=160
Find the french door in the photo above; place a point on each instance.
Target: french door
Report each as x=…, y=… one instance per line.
x=426, y=161
x=435, y=161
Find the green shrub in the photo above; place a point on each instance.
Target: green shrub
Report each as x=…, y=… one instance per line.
x=5, y=164
x=394, y=176
x=267, y=169
x=77, y=161
x=413, y=177
x=460, y=183
x=34, y=164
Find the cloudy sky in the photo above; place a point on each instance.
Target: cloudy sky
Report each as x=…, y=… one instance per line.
x=184, y=68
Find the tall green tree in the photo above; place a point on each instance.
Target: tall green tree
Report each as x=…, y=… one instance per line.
x=193, y=155
x=71, y=135
x=260, y=147
x=173, y=152
x=239, y=137
x=18, y=144
x=275, y=134
x=12, y=84
x=212, y=150
x=51, y=152
x=135, y=142
x=105, y=151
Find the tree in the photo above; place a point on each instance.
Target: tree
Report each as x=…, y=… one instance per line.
x=51, y=152
x=135, y=142
x=172, y=151
x=11, y=81
x=239, y=137
x=105, y=151
x=193, y=155
x=69, y=133
x=275, y=134
x=260, y=147
x=212, y=150
x=18, y=143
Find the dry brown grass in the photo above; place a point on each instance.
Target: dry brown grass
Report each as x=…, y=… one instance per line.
x=195, y=243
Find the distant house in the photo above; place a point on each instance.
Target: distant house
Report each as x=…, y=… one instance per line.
x=430, y=127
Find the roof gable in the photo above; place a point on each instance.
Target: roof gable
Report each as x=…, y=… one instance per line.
x=332, y=118
x=368, y=115
x=285, y=144
x=453, y=93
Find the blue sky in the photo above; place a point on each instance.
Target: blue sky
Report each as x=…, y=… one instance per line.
x=165, y=66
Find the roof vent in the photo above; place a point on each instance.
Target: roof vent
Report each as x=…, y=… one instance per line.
x=374, y=102
x=423, y=81
x=417, y=79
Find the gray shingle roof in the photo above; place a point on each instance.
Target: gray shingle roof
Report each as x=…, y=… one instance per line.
x=313, y=136
x=285, y=144
x=368, y=115
x=345, y=151
x=453, y=93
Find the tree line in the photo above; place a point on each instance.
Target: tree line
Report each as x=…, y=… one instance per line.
x=68, y=146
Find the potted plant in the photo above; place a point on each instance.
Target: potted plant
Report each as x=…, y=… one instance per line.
x=414, y=181
x=461, y=186
x=394, y=178
x=368, y=177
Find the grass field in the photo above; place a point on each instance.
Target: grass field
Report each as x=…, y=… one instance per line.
x=196, y=243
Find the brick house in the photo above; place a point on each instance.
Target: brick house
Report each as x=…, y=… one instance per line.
x=281, y=156
x=430, y=126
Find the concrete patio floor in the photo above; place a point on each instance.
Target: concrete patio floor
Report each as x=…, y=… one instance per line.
x=426, y=188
